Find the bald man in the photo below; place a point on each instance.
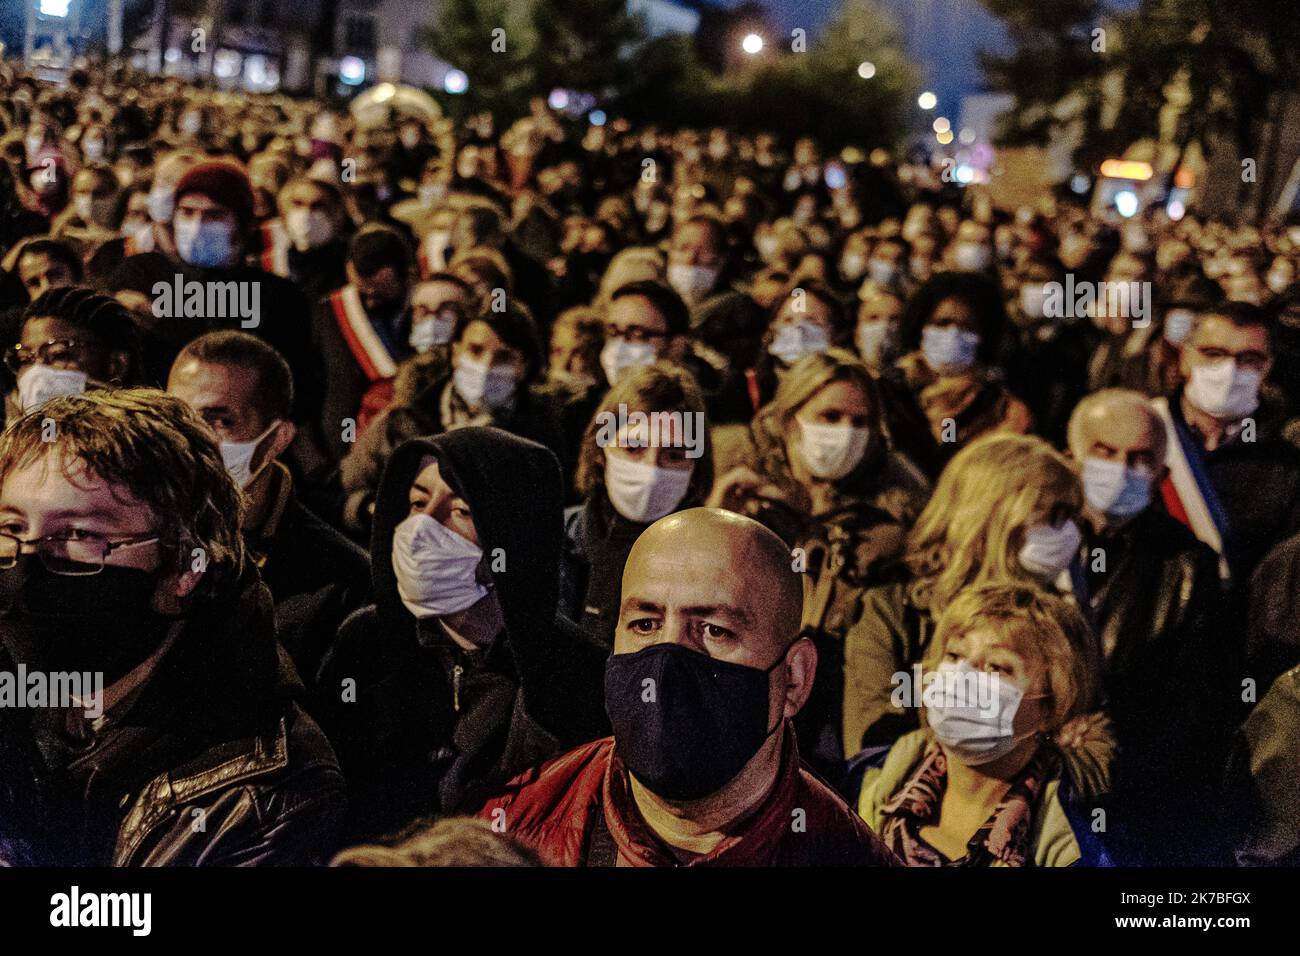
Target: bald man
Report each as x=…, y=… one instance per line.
x=1172, y=658
x=702, y=770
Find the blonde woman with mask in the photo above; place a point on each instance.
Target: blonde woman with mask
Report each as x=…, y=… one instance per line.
x=1005, y=508
x=1013, y=756
x=820, y=470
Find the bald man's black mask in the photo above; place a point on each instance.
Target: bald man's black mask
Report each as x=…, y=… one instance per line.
x=684, y=723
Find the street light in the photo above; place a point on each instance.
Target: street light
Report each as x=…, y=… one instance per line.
x=455, y=82
x=927, y=100
x=866, y=69
x=752, y=44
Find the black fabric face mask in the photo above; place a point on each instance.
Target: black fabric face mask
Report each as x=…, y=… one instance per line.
x=99, y=622
x=684, y=723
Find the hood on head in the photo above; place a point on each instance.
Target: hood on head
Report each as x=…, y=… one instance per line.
x=515, y=492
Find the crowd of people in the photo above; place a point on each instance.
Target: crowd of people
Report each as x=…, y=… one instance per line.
x=655, y=497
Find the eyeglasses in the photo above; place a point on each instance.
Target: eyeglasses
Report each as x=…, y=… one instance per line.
x=53, y=352
x=448, y=313
x=62, y=554
x=1250, y=360
x=633, y=333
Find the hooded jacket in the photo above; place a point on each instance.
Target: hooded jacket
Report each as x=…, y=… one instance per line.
x=214, y=737
x=423, y=726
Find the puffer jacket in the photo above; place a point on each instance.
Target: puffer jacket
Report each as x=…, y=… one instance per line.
x=578, y=810
x=214, y=764
x=1061, y=828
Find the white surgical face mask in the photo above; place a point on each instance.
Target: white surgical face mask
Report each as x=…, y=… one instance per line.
x=93, y=149
x=881, y=272
x=831, y=451
x=853, y=265
x=431, y=332
x=1224, y=390
x=1178, y=325
x=972, y=256
x=308, y=228
x=436, y=248
x=484, y=385
x=692, y=282
x=949, y=349
x=871, y=339
x=767, y=246
x=205, y=244
x=620, y=355
x=1049, y=549
x=37, y=384
x=641, y=491
x=432, y=193
x=793, y=342
x=1115, y=489
x=162, y=203
x=238, y=457
x=435, y=567
x=973, y=734
x=1033, y=300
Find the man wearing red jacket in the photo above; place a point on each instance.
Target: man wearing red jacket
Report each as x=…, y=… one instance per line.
x=707, y=671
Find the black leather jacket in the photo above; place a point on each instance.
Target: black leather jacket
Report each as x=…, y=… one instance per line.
x=213, y=764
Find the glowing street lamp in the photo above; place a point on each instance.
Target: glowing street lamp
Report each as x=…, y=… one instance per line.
x=752, y=44
x=927, y=100
x=866, y=69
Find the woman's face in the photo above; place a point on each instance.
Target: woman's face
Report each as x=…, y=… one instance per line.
x=836, y=403
x=985, y=650
x=803, y=308
x=954, y=312
x=667, y=449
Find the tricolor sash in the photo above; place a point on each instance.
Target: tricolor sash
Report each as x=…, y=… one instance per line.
x=364, y=342
x=1188, y=494
x=275, y=248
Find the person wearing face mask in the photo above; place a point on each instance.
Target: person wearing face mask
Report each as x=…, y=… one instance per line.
x=317, y=577
x=952, y=330
x=482, y=224
x=211, y=222
x=818, y=468
x=1170, y=657
x=1015, y=753
x=491, y=379
x=308, y=241
x=722, y=317
x=630, y=476
x=705, y=771
x=198, y=709
x=1048, y=361
x=72, y=339
x=1001, y=509
x=160, y=205
x=91, y=216
x=464, y=673
x=1233, y=479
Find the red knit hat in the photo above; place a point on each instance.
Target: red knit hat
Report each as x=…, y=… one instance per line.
x=223, y=182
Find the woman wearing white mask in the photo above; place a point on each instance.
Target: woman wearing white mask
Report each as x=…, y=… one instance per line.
x=72, y=339
x=1005, y=508
x=646, y=454
x=819, y=470
x=952, y=330
x=808, y=318
x=490, y=379
x=1014, y=752
x=464, y=673
x=307, y=242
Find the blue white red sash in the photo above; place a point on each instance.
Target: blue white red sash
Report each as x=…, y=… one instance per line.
x=363, y=341
x=275, y=248
x=1188, y=493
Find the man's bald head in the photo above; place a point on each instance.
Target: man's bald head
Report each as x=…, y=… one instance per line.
x=719, y=572
x=1117, y=419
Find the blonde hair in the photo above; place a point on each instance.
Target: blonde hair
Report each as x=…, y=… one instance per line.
x=455, y=841
x=972, y=528
x=633, y=264
x=1042, y=627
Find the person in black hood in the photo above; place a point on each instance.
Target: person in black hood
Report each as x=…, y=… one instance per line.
x=121, y=561
x=461, y=674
